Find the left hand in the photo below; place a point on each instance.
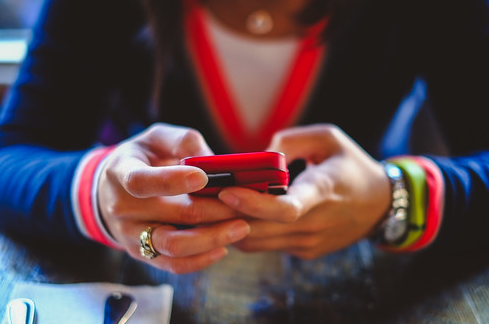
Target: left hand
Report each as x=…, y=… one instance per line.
x=336, y=201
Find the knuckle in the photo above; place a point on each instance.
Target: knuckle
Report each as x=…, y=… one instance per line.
x=170, y=246
x=332, y=132
x=243, y=246
x=191, y=136
x=114, y=208
x=133, y=183
x=277, y=139
x=154, y=129
x=192, y=214
x=189, y=141
x=292, y=214
x=219, y=240
x=330, y=129
x=283, y=139
x=309, y=242
x=110, y=171
x=118, y=208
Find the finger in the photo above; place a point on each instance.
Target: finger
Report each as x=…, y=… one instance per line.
x=284, y=208
x=279, y=243
x=264, y=229
x=200, y=239
x=190, y=263
x=143, y=181
x=181, y=209
x=170, y=242
x=315, y=186
x=176, y=141
x=313, y=143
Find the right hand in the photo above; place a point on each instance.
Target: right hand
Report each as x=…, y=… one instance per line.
x=142, y=184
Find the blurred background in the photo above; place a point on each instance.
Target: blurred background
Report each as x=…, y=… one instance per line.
x=17, y=17
x=18, y=14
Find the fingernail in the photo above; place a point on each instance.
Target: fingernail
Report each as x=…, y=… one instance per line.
x=239, y=231
x=219, y=254
x=229, y=199
x=195, y=181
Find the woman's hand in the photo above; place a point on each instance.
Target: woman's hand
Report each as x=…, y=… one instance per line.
x=336, y=201
x=142, y=185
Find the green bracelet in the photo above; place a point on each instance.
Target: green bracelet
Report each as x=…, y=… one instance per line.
x=416, y=185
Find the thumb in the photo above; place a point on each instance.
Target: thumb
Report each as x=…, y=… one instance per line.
x=144, y=181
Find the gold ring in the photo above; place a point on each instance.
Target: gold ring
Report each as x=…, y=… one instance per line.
x=147, y=249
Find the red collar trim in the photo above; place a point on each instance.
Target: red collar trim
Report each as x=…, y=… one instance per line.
x=288, y=104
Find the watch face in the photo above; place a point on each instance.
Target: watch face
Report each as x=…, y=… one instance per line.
x=395, y=229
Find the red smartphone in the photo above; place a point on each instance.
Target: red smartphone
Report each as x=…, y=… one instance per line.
x=261, y=171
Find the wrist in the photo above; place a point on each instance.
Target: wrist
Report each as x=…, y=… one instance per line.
x=425, y=187
x=84, y=197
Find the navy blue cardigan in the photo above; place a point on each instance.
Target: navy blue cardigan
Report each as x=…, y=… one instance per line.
x=88, y=76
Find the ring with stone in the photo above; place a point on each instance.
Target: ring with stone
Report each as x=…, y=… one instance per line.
x=147, y=249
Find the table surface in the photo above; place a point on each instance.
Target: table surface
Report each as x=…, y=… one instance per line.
x=357, y=285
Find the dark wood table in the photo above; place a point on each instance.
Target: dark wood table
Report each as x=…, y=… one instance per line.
x=358, y=285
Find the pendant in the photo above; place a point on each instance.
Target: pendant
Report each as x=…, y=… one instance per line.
x=259, y=22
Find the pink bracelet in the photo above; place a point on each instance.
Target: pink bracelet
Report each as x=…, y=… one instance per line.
x=435, y=183
x=92, y=228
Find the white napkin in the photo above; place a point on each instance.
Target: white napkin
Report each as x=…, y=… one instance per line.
x=83, y=303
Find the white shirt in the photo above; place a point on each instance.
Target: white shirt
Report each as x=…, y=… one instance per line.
x=253, y=69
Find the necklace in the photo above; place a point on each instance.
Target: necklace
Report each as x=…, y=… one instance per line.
x=289, y=103
x=259, y=22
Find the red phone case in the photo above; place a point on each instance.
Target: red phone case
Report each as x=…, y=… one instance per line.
x=261, y=171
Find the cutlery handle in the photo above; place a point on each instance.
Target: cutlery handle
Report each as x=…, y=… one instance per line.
x=118, y=308
x=20, y=311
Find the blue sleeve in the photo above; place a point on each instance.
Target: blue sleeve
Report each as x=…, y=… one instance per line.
x=35, y=192
x=466, y=220
x=455, y=61
x=54, y=112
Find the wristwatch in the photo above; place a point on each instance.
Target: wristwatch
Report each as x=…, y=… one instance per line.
x=395, y=227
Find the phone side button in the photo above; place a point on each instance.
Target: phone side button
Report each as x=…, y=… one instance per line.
x=277, y=190
x=220, y=180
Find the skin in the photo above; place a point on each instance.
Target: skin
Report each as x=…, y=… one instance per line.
x=336, y=201
x=234, y=14
x=142, y=184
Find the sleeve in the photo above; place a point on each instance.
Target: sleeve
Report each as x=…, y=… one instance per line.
x=451, y=57
x=84, y=197
x=51, y=119
x=455, y=65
